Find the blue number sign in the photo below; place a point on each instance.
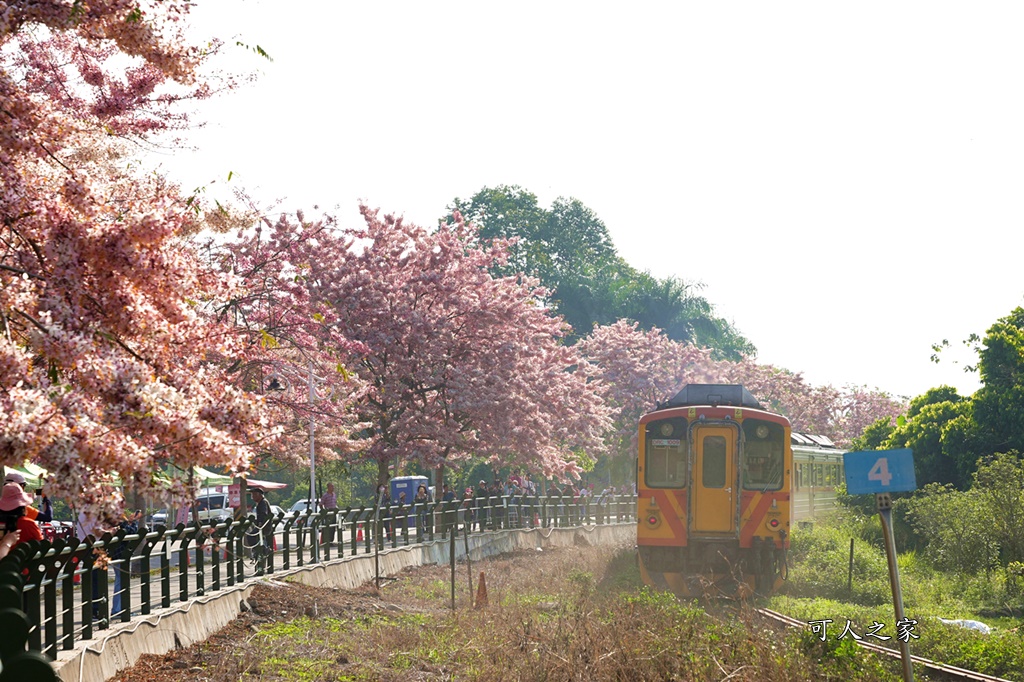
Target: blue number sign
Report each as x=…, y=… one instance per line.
x=879, y=471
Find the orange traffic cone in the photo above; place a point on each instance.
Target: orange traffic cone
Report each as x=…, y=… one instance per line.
x=359, y=533
x=481, y=592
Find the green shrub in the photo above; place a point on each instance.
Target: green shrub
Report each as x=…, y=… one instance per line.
x=822, y=564
x=955, y=527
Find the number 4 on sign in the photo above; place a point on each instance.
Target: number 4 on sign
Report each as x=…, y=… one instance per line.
x=880, y=472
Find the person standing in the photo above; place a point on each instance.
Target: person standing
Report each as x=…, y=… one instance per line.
x=130, y=525
x=329, y=503
x=482, y=506
x=420, y=503
x=264, y=526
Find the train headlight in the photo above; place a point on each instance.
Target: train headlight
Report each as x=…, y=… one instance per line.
x=774, y=524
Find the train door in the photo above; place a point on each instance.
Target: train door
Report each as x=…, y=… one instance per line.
x=714, y=479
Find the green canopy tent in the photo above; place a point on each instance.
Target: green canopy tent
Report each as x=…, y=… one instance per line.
x=33, y=473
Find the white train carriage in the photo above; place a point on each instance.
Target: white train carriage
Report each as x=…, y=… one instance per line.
x=817, y=469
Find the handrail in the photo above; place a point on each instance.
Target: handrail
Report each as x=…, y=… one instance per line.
x=53, y=594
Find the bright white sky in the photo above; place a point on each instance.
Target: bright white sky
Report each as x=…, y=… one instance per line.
x=846, y=182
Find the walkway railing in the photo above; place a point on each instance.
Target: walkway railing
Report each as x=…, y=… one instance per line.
x=53, y=594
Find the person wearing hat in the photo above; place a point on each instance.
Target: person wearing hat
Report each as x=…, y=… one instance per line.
x=39, y=516
x=263, y=518
x=13, y=503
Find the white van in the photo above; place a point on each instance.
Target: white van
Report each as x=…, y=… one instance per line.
x=212, y=505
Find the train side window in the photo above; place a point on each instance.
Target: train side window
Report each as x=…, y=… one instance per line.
x=819, y=474
x=798, y=476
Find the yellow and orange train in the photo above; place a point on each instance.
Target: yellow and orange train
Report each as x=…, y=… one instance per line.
x=718, y=492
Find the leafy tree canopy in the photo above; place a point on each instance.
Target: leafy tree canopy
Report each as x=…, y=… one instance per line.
x=568, y=248
x=999, y=403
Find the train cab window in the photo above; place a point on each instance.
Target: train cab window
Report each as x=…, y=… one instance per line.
x=763, y=455
x=665, y=454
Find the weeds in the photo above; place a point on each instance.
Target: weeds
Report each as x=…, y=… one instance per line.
x=580, y=615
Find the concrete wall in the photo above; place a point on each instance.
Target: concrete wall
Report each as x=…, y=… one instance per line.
x=181, y=626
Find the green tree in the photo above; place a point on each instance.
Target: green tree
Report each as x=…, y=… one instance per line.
x=938, y=428
x=955, y=526
x=566, y=247
x=1000, y=482
x=999, y=403
x=673, y=306
x=874, y=436
x=569, y=249
x=936, y=460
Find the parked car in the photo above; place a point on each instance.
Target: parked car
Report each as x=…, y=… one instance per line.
x=212, y=505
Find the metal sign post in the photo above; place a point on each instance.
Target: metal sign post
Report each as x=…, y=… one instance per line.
x=883, y=472
x=885, y=513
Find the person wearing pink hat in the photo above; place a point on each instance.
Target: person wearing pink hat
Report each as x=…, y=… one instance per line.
x=13, y=503
x=39, y=516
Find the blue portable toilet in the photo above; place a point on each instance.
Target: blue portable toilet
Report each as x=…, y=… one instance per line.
x=407, y=485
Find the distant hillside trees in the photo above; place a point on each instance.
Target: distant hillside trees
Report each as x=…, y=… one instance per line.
x=568, y=248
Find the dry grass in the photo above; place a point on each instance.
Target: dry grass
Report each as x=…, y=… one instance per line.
x=569, y=614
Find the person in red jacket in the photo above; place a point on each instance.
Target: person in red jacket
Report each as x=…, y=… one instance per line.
x=13, y=503
x=39, y=516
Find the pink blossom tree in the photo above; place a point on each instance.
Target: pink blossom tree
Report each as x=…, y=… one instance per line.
x=289, y=337
x=456, y=363
x=108, y=366
x=638, y=369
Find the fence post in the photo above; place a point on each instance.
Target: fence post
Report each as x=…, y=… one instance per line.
x=18, y=664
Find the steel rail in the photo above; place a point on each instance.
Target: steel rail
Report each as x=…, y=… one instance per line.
x=934, y=666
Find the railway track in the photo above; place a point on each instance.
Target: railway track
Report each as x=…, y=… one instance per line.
x=948, y=671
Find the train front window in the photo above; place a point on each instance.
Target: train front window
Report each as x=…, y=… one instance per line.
x=665, y=454
x=762, y=455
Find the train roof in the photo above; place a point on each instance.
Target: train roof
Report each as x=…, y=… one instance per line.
x=716, y=395
x=811, y=440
